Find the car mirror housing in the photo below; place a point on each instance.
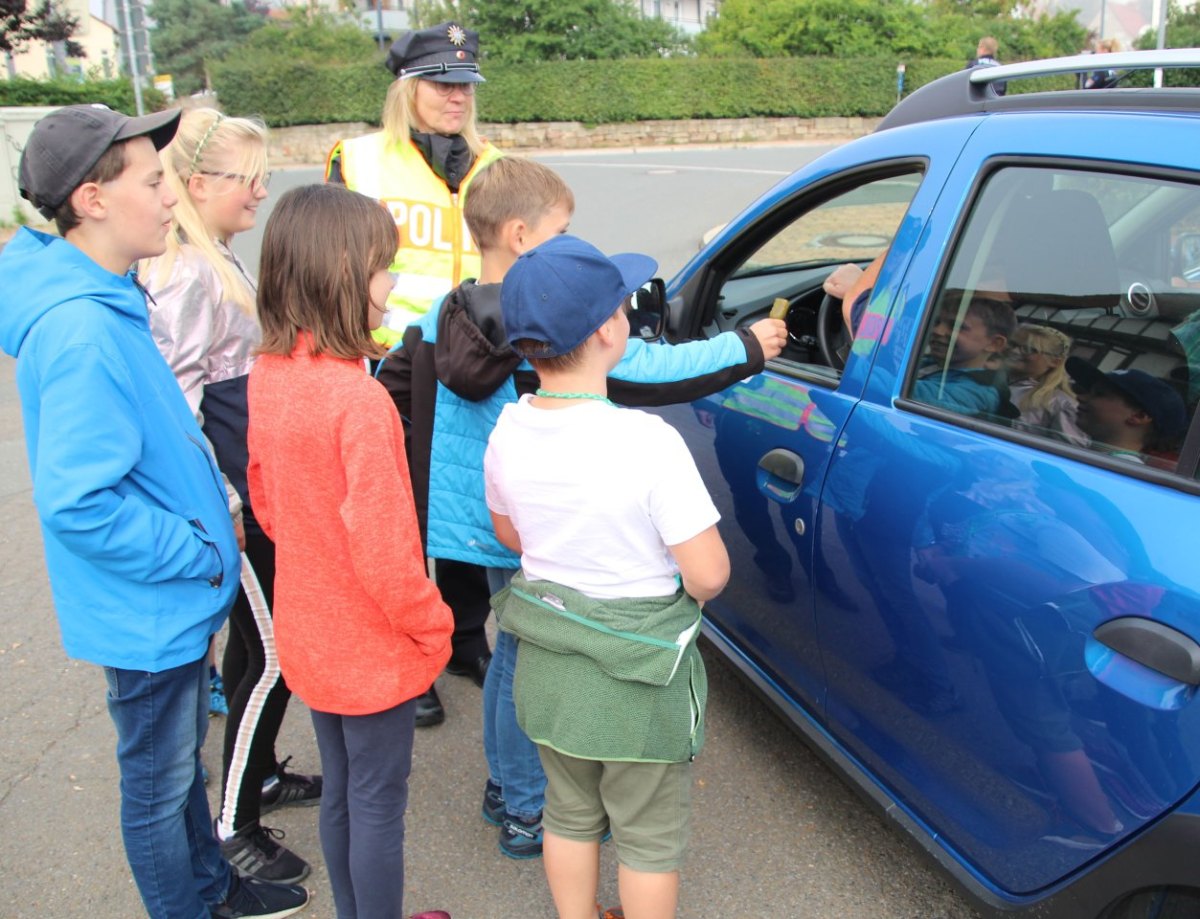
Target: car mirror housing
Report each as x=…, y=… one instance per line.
x=648, y=310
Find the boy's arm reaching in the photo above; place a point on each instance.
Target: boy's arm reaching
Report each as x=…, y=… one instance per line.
x=660, y=374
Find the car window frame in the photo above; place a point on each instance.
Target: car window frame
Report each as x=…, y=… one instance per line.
x=1183, y=477
x=773, y=221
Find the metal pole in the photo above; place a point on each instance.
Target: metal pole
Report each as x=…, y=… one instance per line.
x=1103, y=7
x=1162, y=38
x=379, y=21
x=133, y=74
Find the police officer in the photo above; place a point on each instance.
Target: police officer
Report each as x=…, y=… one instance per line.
x=420, y=167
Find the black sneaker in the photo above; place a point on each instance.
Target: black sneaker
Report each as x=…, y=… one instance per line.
x=250, y=897
x=493, y=804
x=519, y=839
x=253, y=852
x=293, y=789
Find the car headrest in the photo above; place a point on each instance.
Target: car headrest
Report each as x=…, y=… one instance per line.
x=1053, y=249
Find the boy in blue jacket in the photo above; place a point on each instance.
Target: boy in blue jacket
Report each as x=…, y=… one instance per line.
x=454, y=373
x=141, y=551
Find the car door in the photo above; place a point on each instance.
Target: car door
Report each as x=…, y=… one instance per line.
x=1011, y=590
x=763, y=445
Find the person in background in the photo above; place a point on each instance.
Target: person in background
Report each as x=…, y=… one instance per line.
x=1039, y=386
x=985, y=56
x=203, y=320
x=1128, y=413
x=1103, y=79
x=141, y=551
x=420, y=167
x=360, y=629
x=960, y=369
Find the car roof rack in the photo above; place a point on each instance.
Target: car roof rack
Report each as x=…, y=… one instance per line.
x=972, y=92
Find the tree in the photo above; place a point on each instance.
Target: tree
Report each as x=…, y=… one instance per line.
x=519, y=31
x=899, y=28
x=1183, y=31
x=189, y=32
x=19, y=27
x=848, y=28
x=320, y=38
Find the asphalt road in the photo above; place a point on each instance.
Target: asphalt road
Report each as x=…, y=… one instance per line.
x=775, y=834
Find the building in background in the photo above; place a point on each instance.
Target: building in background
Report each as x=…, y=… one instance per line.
x=97, y=37
x=1124, y=20
x=689, y=16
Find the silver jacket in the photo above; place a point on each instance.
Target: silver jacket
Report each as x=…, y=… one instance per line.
x=204, y=336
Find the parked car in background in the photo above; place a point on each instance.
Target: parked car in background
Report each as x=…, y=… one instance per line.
x=989, y=628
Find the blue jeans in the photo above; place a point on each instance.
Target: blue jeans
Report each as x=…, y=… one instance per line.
x=161, y=719
x=512, y=758
x=365, y=760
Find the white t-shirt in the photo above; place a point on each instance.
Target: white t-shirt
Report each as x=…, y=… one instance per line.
x=597, y=493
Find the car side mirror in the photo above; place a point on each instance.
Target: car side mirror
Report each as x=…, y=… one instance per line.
x=648, y=310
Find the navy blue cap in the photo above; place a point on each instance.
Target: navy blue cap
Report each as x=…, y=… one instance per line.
x=563, y=290
x=1156, y=397
x=445, y=53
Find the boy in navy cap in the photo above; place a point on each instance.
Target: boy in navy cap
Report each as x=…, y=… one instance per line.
x=1127, y=412
x=141, y=551
x=619, y=547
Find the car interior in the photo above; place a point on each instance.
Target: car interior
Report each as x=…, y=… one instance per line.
x=1113, y=283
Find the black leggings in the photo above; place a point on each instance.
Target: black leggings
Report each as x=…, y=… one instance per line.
x=257, y=694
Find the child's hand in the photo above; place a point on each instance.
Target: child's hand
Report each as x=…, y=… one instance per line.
x=772, y=335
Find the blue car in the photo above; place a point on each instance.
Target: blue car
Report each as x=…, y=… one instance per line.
x=965, y=541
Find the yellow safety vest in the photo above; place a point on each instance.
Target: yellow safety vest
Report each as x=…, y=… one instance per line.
x=435, y=252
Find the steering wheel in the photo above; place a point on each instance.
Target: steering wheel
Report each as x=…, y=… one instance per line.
x=831, y=332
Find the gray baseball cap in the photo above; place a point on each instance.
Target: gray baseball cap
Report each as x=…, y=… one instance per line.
x=67, y=143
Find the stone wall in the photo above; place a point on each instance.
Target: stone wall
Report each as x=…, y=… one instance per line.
x=308, y=145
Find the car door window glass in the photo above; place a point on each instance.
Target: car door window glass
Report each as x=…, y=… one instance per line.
x=790, y=263
x=1067, y=312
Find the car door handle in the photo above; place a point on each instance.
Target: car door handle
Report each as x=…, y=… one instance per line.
x=781, y=475
x=1152, y=644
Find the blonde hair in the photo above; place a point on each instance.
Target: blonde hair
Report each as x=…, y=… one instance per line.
x=205, y=139
x=400, y=107
x=1053, y=344
x=321, y=246
x=512, y=188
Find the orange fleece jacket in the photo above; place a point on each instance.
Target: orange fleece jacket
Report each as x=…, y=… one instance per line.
x=359, y=626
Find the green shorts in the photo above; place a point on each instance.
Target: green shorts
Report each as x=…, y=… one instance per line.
x=647, y=806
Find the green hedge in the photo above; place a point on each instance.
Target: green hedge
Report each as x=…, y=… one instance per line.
x=116, y=94
x=287, y=92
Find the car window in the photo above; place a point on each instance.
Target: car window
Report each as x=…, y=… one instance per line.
x=790, y=253
x=1067, y=312
x=854, y=226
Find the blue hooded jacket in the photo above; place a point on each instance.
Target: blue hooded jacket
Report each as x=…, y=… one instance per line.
x=141, y=552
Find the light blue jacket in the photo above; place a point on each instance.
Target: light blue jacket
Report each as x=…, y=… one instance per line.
x=141, y=552
x=459, y=526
